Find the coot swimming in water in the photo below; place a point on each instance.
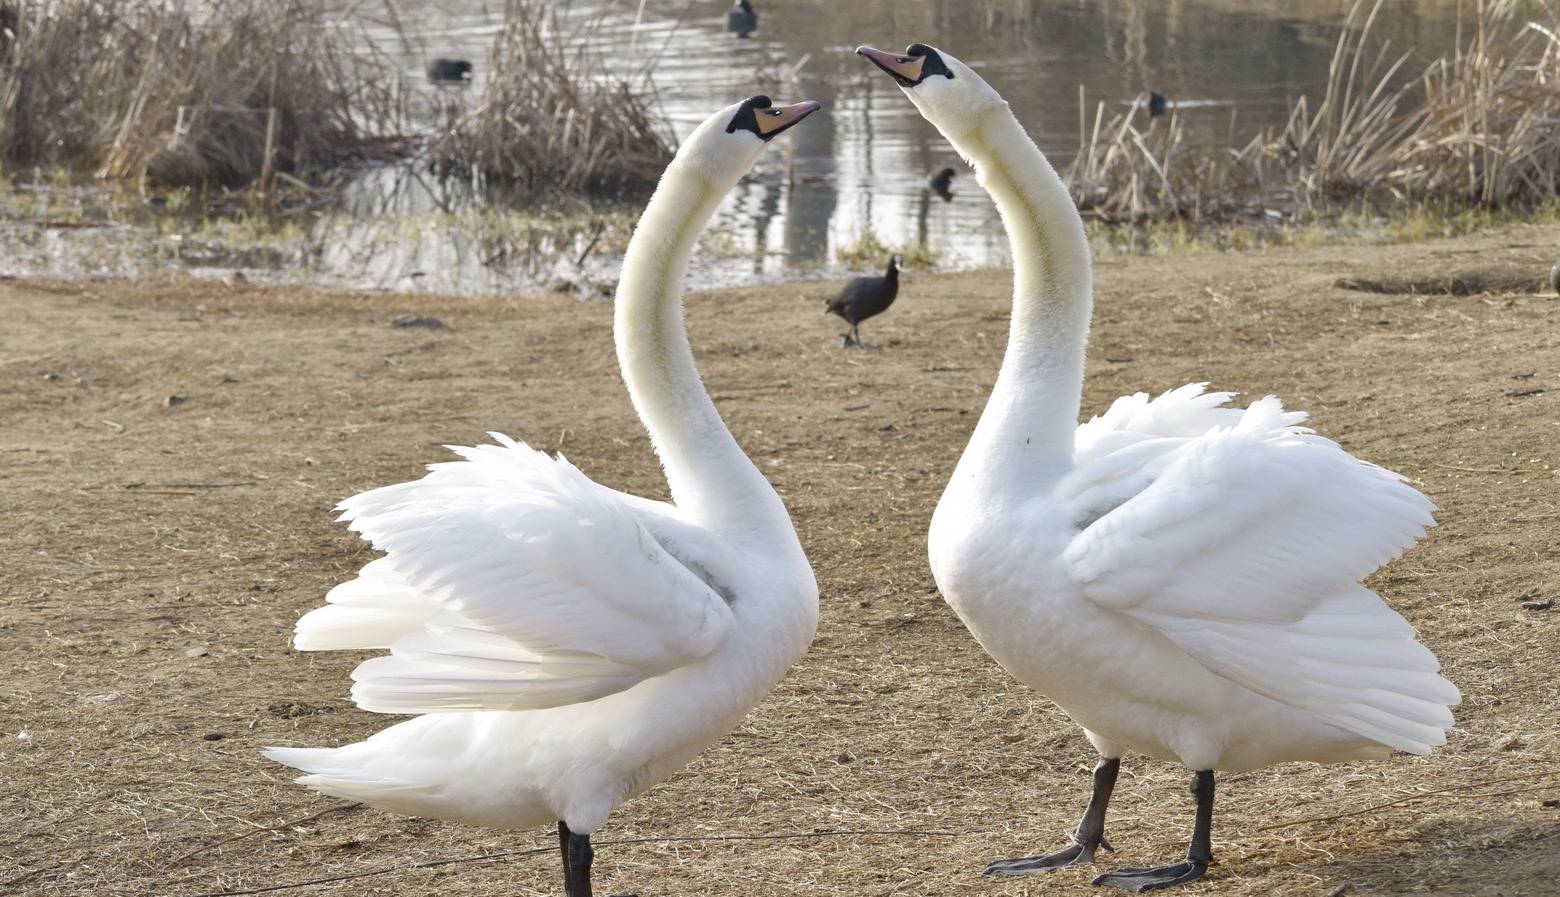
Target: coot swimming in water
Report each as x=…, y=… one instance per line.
x=449, y=71
x=742, y=19
x=864, y=297
x=941, y=182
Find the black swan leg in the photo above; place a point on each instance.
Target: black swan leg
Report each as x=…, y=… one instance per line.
x=1198, y=855
x=1089, y=837
x=577, y=856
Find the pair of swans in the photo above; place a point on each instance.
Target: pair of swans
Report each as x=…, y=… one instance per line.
x=1182, y=577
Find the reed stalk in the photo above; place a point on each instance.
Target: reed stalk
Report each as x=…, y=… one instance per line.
x=181, y=92
x=555, y=118
x=1477, y=128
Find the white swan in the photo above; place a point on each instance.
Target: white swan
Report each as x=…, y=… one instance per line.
x=571, y=645
x=1181, y=577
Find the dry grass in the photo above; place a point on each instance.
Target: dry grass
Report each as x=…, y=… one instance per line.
x=137, y=532
x=1348, y=145
x=553, y=119
x=1474, y=129
x=183, y=91
x=1126, y=171
x=1489, y=129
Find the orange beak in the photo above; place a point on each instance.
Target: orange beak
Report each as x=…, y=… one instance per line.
x=905, y=69
x=775, y=119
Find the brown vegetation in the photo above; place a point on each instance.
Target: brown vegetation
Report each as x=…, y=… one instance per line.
x=553, y=118
x=1474, y=129
x=188, y=93
x=191, y=92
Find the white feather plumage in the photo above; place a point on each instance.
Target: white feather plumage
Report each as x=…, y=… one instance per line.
x=569, y=645
x=1181, y=576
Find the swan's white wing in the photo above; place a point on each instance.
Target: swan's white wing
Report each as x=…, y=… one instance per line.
x=370, y=611
x=1244, y=543
x=546, y=588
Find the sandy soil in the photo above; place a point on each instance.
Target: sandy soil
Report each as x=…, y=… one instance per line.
x=156, y=551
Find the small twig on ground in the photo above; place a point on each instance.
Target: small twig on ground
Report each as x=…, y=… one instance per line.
x=189, y=485
x=450, y=861
x=1413, y=797
x=269, y=828
x=1470, y=469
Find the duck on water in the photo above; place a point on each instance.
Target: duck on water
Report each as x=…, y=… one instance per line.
x=742, y=19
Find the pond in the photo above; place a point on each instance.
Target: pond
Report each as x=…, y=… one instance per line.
x=826, y=197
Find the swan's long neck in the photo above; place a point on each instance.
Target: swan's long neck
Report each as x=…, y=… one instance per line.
x=710, y=477
x=1025, y=435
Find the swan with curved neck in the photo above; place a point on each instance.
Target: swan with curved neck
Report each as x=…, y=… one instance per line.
x=1180, y=576
x=567, y=645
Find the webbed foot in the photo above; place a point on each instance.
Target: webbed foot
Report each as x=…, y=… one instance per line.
x=1138, y=880
x=1074, y=855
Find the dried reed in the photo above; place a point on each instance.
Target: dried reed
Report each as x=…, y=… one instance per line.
x=189, y=92
x=1487, y=132
x=1476, y=129
x=1126, y=173
x=554, y=118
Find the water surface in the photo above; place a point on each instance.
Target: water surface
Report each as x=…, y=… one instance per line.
x=854, y=174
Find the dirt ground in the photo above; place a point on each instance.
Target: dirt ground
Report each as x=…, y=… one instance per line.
x=157, y=550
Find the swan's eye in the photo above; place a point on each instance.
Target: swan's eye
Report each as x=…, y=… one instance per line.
x=771, y=112
x=903, y=60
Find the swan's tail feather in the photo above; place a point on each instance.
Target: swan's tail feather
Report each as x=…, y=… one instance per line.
x=325, y=771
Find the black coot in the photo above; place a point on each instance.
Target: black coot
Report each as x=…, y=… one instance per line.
x=864, y=297
x=742, y=19
x=942, y=183
x=449, y=71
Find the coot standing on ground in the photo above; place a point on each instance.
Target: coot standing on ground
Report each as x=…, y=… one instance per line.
x=742, y=19
x=864, y=297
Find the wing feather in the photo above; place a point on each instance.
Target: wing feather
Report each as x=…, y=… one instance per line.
x=531, y=587
x=1242, y=537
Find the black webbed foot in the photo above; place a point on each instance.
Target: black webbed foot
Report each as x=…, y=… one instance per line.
x=1067, y=857
x=1089, y=837
x=1138, y=880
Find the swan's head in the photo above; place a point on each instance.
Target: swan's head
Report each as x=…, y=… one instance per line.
x=947, y=92
x=727, y=144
